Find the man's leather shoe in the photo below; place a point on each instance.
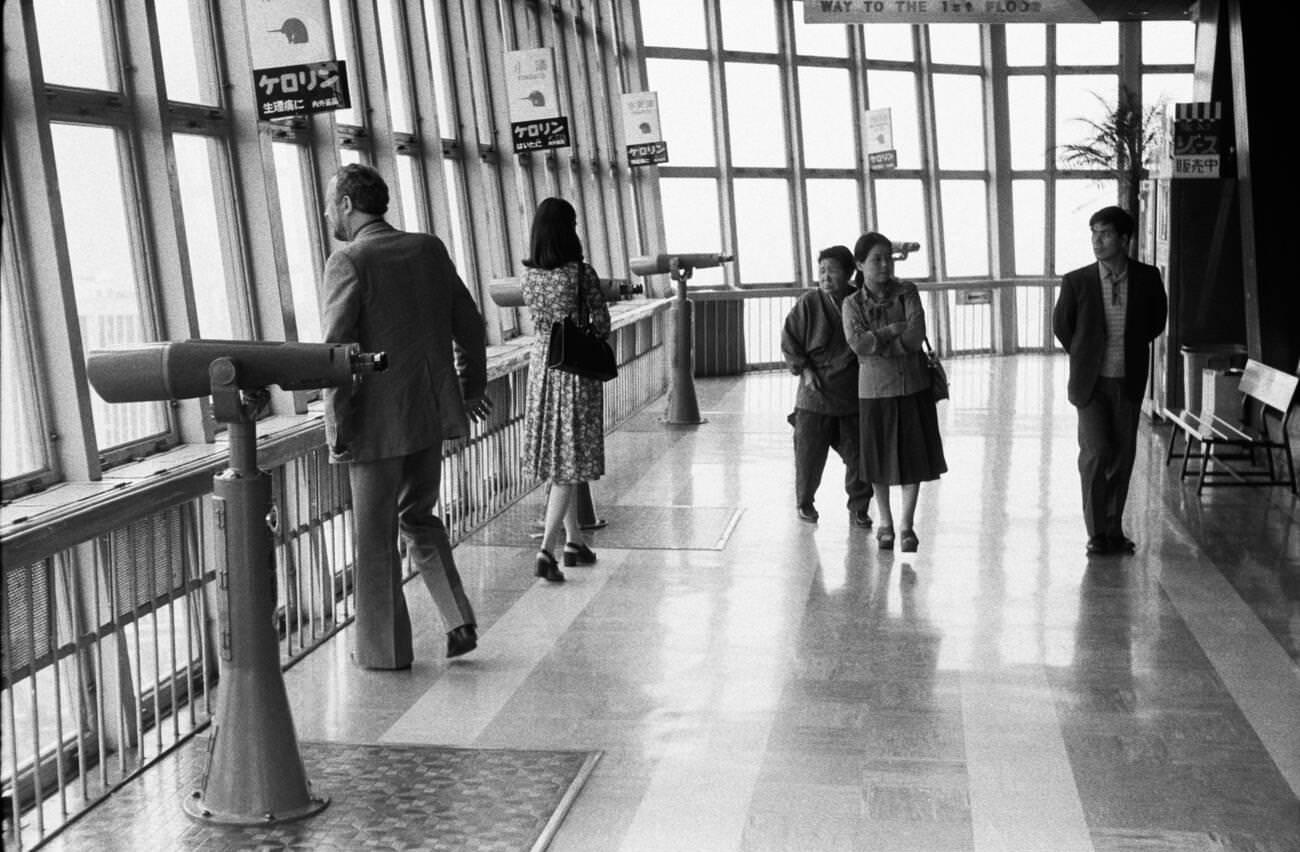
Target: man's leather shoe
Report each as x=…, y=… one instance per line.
x=1099, y=545
x=809, y=514
x=862, y=519
x=1122, y=544
x=462, y=640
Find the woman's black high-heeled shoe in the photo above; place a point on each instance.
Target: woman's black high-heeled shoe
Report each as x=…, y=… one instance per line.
x=577, y=553
x=547, y=568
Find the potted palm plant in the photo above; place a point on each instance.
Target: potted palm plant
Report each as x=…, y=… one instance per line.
x=1119, y=142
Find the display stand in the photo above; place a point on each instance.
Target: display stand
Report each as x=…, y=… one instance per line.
x=683, y=409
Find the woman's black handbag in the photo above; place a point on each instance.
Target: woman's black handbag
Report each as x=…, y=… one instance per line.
x=938, y=375
x=575, y=349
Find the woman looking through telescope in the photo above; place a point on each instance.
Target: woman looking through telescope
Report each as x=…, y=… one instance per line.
x=564, y=429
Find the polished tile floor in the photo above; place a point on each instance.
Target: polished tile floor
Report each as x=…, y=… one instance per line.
x=758, y=683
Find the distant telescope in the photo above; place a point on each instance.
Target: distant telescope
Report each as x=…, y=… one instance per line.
x=295, y=31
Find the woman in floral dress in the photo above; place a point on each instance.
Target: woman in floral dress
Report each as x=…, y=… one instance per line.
x=564, y=429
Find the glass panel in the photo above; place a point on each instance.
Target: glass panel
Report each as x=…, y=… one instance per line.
x=764, y=251
x=827, y=107
x=457, y=246
x=297, y=240
x=959, y=121
x=673, y=23
x=1027, y=98
x=888, y=41
x=753, y=100
x=1168, y=42
x=900, y=215
x=1161, y=89
x=1026, y=44
x=691, y=222
x=1081, y=99
x=407, y=195
x=395, y=82
x=747, y=25
x=438, y=52
x=1029, y=203
x=1087, y=44
x=21, y=448
x=208, y=273
x=339, y=11
x=1076, y=201
x=181, y=43
x=72, y=43
x=107, y=284
x=955, y=43
x=832, y=213
x=965, y=227
x=818, y=39
x=349, y=156
x=685, y=108
x=897, y=90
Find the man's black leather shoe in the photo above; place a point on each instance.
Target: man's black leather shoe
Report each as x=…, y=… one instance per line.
x=462, y=640
x=1122, y=544
x=1099, y=545
x=862, y=519
x=809, y=514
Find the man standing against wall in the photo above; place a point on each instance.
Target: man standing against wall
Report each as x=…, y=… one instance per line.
x=399, y=293
x=1106, y=316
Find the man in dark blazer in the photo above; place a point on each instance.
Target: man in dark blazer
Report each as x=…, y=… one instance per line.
x=1106, y=316
x=399, y=293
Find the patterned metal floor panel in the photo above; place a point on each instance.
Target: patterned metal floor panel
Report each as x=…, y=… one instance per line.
x=381, y=797
x=626, y=527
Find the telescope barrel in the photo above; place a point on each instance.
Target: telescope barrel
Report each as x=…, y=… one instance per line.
x=659, y=264
x=179, y=369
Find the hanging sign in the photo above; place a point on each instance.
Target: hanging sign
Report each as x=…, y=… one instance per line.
x=294, y=69
x=947, y=11
x=533, y=96
x=645, y=144
x=879, y=129
x=1194, y=139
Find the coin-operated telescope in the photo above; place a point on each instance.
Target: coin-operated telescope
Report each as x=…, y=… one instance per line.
x=255, y=774
x=683, y=409
x=902, y=250
x=507, y=293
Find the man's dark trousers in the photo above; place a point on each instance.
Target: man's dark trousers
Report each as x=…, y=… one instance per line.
x=1108, y=426
x=814, y=435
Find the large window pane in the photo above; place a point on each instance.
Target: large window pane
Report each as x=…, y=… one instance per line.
x=72, y=43
x=208, y=273
x=685, y=109
x=888, y=41
x=1029, y=206
x=673, y=23
x=395, y=82
x=965, y=227
x=747, y=25
x=453, y=232
x=1026, y=44
x=21, y=449
x=764, y=253
x=1076, y=201
x=108, y=287
x=1168, y=42
x=297, y=240
x=959, y=119
x=433, y=13
x=181, y=35
x=339, y=11
x=754, y=109
x=408, y=196
x=832, y=213
x=955, y=43
x=827, y=112
x=1081, y=100
x=897, y=90
x=1087, y=44
x=691, y=222
x=1027, y=97
x=818, y=39
x=1161, y=89
x=900, y=215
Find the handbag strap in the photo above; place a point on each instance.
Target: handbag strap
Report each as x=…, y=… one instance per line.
x=583, y=321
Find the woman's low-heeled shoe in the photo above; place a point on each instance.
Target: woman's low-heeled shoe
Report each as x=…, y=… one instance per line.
x=577, y=553
x=885, y=538
x=908, y=541
x=547, y=568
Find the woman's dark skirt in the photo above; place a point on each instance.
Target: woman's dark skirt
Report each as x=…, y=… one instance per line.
x=900, y=439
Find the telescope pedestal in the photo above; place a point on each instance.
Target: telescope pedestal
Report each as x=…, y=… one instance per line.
x=683, y=409
x=254, y=773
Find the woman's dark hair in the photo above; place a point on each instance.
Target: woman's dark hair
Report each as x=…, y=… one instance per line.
x=364, y=186
x=839, y=254
x=554, y=240
x=863, y=247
